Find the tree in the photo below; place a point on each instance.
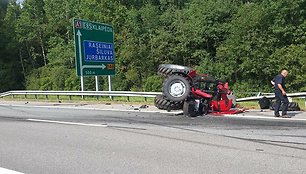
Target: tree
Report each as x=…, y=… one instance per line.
x=12, y=69
x=293, y=58
x=245, y=42
x=31, y=32
x=257, y=31
x=207, y=28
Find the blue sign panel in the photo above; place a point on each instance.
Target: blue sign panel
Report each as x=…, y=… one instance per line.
x=98, y=51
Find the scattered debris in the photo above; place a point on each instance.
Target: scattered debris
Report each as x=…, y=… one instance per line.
x=144, y=106
x=181, y=113
x=260, y=150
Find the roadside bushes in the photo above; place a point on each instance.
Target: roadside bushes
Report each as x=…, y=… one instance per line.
x=52, y=78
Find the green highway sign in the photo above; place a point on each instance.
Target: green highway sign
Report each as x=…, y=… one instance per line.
x=94, y=48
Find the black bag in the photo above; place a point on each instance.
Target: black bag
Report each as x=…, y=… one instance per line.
x=264, y=103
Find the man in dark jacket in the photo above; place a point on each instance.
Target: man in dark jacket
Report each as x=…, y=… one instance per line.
x=280, y=94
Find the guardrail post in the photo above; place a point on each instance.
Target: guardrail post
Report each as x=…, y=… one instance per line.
x=25, y=96
x=69, y=97
x=35, y=96
x=146, y=99
x=13, y=96
x=57, y=96
x=305, y=102
x=46, y=97
x=128, y=98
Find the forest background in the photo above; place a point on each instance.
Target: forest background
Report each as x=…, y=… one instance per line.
x=245, y=42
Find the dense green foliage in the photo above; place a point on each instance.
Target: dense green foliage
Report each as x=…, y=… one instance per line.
x=245, y=42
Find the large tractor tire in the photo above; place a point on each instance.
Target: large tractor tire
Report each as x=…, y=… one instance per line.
x=176, y=88
x=161, y=102
x=189, y=108
x=169, y=69
x=292, y=106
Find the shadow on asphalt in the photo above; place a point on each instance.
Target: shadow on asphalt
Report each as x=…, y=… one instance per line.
x=293, y=114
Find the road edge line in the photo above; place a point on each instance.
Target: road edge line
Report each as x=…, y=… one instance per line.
x=9, y=171
x=68, y=123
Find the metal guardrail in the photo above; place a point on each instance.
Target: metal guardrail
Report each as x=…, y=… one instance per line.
x=81, y=93
x=4, y=94
x=128, y=94
x=269, y=96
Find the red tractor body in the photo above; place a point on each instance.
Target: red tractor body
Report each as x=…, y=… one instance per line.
x=197, y=93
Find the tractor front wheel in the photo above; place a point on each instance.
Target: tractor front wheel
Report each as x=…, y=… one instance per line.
x=189, y=108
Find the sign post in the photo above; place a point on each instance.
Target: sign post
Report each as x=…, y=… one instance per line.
x=97, y=83
x=94, y=49
x=110, y=86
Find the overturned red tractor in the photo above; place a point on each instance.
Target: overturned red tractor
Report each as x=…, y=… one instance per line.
x=196, y=94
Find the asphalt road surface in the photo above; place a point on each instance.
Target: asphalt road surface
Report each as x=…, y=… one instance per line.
x=36, y=140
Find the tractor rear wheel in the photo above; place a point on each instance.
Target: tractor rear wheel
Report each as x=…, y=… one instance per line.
x=168, y=69
x=176, y=88
x=161, y=102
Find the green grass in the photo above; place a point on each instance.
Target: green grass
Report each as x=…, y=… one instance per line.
x=248, y=105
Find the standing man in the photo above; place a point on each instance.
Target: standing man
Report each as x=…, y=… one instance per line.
x=280, y=94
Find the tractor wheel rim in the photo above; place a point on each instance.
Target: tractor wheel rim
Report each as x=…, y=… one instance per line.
x=177, y=89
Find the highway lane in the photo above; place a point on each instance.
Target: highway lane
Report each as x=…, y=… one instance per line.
x=135, y=142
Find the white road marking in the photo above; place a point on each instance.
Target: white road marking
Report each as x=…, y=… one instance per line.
x=69, y=123
x=7, y=171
